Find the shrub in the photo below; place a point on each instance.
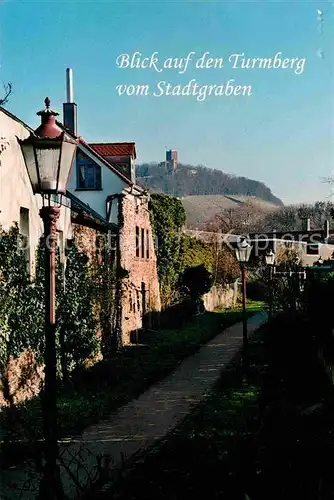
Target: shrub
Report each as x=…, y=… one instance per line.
x=21, y=314
x=76, y=323
x=197, y=280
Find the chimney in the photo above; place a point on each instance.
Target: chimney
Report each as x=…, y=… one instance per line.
x=306, y=224
x=69, y=107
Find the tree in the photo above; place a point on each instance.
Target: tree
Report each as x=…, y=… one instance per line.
x=196, y=252
x=227, y=268
x=76, y=323
x=288, y=257
x=197, y=280
x=189, y=180
x=289, y=218
x=242, y=219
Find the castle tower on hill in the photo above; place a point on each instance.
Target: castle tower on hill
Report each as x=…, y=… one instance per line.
x=171, y=159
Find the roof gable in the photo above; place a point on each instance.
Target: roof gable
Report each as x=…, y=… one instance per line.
x=101, y=161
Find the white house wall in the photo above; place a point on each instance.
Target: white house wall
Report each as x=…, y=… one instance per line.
x=325, y=251
x=111, y=183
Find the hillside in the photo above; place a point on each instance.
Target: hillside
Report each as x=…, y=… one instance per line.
x=188, y=180
x=202, y=209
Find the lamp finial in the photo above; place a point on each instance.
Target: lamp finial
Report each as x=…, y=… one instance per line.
x=47, y=112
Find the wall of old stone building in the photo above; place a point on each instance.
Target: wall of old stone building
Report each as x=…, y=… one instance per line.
x=86, y=240
x=93, y=242
x=22, y=379
x=140, y=297
x=221, y=296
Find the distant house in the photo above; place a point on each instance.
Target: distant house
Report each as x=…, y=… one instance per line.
x=310, y=245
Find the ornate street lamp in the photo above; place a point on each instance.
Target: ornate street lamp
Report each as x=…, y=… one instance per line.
x=270, y=261
x=48, y=154
x=243, y=252
x=270, y=258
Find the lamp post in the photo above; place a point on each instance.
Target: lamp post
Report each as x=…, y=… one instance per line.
x=48, y=154
x=243, y=251
x=270, y=261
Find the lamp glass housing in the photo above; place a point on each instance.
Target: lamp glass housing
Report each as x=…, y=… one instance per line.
x=49, y=162
x=243, y=251
x=270, y=258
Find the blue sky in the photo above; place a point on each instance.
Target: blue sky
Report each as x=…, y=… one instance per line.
x=283, y=134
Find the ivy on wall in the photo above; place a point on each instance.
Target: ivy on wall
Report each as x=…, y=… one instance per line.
x=22, y=305
x=167, y=217
x=76, y=322
x=177, y=252
x=103, y=277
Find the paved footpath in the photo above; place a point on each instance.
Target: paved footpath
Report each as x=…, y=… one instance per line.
x=142, y=421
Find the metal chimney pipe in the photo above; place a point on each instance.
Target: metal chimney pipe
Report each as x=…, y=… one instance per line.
x=69, y=85
x=69, y=107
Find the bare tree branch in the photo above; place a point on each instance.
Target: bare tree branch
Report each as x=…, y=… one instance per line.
x=327, y=180
x=8, y=90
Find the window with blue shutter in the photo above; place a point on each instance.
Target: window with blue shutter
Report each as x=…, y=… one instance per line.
x=88, y=174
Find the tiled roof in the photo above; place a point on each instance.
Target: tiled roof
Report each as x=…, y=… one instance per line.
x=115, y=149
x=107, y=163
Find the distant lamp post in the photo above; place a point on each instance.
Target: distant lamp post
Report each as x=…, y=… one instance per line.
x=243, y=252
x=270, y=258
x=270, y=261
x=48, y=154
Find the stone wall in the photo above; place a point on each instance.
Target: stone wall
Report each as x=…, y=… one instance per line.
x=138, y=302
x=21, y=380
x=86, y=240
x=93, y=242
x=140, y=297
x=221, y=297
